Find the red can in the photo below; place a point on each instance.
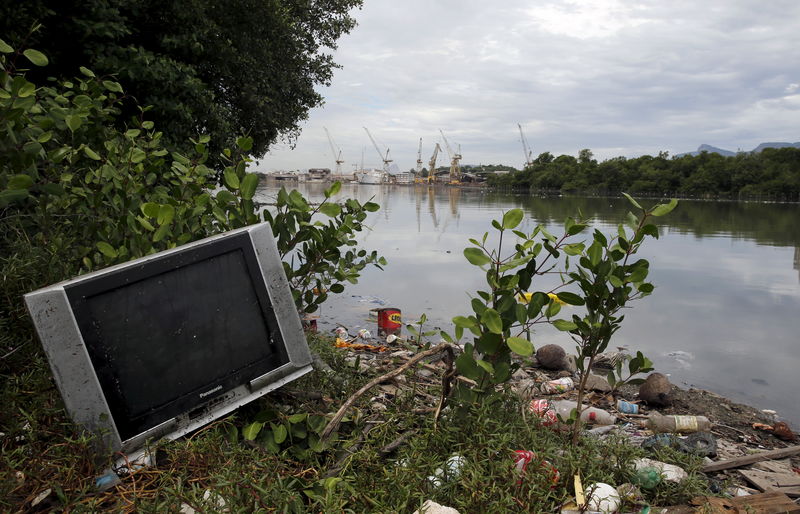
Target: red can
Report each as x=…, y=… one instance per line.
x=389, y=321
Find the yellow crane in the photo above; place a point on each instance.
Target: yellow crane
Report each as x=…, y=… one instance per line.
x=432, y=164
x=336, y=156
x=455, y=159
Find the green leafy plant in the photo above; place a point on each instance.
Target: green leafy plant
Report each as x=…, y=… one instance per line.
x=297, y=434
x=320, y=256
x=608, y=281
x=75, y=189
x=504, y=316
x=636, y=365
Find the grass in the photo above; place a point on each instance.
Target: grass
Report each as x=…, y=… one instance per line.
x=41, y=450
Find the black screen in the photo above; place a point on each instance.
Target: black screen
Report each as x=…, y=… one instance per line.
x=170, y=334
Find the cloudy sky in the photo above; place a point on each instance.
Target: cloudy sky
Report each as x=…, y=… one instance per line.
x=619, y=77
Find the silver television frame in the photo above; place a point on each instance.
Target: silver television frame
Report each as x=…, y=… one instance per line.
x=78, y=383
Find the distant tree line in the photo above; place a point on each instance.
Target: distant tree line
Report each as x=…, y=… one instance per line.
x=772, y=173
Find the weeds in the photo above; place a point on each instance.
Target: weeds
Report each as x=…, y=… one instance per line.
x=210, y=468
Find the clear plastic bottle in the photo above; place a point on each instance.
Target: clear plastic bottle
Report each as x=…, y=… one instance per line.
x=588, y=414
x=682, y=424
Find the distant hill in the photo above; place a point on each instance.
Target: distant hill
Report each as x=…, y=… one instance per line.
x=727, y=153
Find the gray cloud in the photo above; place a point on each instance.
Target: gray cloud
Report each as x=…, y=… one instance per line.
x=621, y=78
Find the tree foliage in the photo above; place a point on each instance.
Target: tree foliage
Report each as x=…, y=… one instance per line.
x=77, y=193
x=773, y=172
x=218, y=68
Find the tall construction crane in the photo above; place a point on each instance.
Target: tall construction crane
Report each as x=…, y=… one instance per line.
x=419, y=158
x=385, y=158
x=432, y=164
x=455, y=159
x=526, y=148
x=336, y=156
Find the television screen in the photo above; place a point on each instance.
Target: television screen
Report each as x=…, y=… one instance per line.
x=168, y=342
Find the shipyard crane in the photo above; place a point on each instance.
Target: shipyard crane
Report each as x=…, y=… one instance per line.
x=385, y=158
x=336, y=156
x=419, y=158
x=455, y=159
x=432, y=164
x=526, y=148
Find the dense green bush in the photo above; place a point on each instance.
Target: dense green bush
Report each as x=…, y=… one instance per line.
x=77, y=193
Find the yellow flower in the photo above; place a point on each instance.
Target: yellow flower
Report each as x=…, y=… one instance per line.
x=526, y=298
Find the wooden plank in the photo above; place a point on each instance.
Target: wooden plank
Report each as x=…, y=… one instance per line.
x=786, y=483
x=766, y=503
x=750, y=459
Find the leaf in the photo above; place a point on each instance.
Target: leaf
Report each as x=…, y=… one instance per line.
x=297, y=418
x=664, y=208
x=112, y=86
x=512, y=218
x=570, y=298
x=487, y=366
x=491, y=318
x=250, y=432
x=86, y=71
x=520, y=346
x=249, y=184
x=564, y=325
x=466, y=365
x=231, y=179
x=595, y=253
x=330, y=209
x=91, y=153
x=20, y=182
x=160, y=233
x=463, y=322
x=150, y=209
x=74, y=122
x=316, y=423
x=165, y=214
x=106, y=249
x=476, y=256
x=36, y=57
x=137, y=155
x=245, y=143
x=279, y=432
x=630, y=199
x=4, y=48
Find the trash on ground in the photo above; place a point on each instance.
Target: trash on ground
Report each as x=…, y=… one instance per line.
x=787, y=483
x=549, y=410
x=627, y=407
x=450, y=471
x=106, y=481
x=522, y=458
x=683, y=424
x=431, y=507
x=341, y=343
x=669, y=472
x=561, y=385
x=602, y=497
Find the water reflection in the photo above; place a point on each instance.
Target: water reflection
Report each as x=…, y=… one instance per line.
x=724, y=315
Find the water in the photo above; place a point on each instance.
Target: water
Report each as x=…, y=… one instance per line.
x=724, y=316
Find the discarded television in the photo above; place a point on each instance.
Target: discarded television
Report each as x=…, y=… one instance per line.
x=162, y=345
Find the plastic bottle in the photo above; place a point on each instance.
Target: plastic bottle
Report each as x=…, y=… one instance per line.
x=682, y=424
x=588, y=414
x=560, y=385
x=627, y=407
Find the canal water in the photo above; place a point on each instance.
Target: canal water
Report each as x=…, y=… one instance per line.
x=725, y=314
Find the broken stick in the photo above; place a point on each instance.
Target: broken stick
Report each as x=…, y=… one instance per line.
x=337, y=418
